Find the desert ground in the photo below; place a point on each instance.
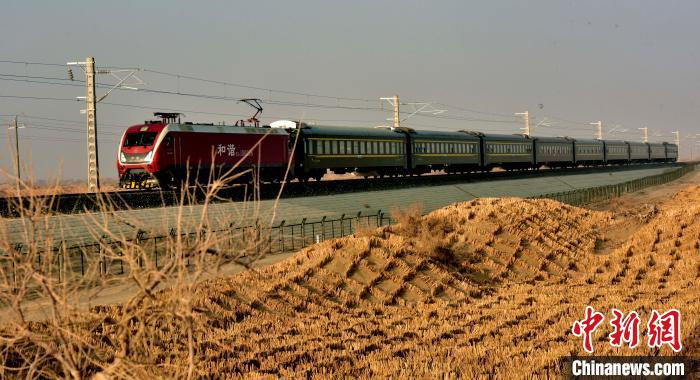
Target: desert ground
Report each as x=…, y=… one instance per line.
x=487, y=288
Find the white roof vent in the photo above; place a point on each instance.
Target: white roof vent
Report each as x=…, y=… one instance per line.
x=285, y=124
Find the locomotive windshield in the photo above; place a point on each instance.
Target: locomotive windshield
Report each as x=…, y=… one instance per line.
x=140, y=139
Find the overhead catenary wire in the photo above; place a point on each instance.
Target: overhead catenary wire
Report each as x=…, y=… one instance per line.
x=66, y=82
x=36, y=79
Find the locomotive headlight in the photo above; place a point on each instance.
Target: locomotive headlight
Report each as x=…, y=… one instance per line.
x=122, y=157
x=149, y=156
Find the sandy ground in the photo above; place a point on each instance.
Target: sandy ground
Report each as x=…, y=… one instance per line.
x=473, y=290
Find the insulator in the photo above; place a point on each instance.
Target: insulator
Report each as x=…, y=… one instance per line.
x=70, y=74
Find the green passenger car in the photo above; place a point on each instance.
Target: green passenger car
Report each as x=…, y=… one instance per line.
x=589, y=152
x=368, y=151
x=554, y=151
x=657, y=152
x=507, y=151
x=639, y=152
x=454, y=152
x=616, y=152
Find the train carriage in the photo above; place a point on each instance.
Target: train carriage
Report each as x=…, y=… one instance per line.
x=506, y=151
x=639, y=152
x=657, y=152
x=671, y=152
x=454, y=152
x=367, y=151
x=589, y=152
x=553, y=151
x=616, y=152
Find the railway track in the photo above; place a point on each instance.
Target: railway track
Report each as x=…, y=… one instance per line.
x=139, y=199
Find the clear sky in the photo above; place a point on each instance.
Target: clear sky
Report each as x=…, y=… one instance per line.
x=630, y=63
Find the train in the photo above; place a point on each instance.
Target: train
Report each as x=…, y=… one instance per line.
x=167, y=153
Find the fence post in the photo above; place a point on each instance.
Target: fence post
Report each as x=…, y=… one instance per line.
x=303, y=233
x=140, y=237
x=323, y=227
x=18, y=252
x=103, y=258
x=58, y=260
x=280, y=235
x=292, y=235
x=82, y=263
x=342, y=218
x=172, y=234
x=359, y=215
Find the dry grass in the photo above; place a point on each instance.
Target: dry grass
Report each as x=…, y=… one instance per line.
x=9, y=189
x=473, y=290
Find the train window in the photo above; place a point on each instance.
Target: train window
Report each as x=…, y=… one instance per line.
x=341, y=147
x=355, y=147
x=327, y=147
x=140, y=139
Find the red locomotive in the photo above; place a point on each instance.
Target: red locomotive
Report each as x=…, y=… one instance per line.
x=166, y=153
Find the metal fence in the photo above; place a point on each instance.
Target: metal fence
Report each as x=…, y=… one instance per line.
x=74, y=260
x=67, y=261
x=602, y=193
